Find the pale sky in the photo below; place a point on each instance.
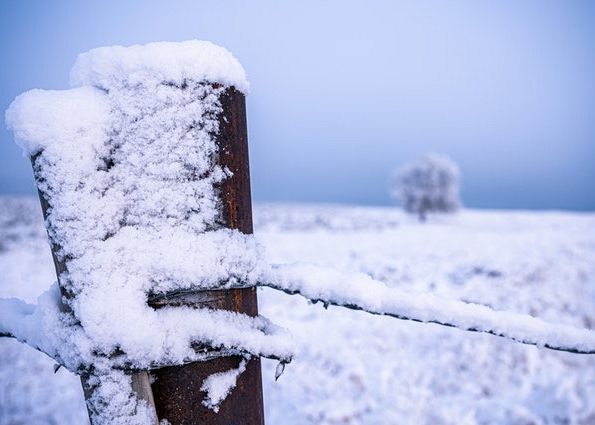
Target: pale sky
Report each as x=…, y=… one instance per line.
x=342, y=92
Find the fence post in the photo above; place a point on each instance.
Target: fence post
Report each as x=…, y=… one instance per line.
x=177, y=389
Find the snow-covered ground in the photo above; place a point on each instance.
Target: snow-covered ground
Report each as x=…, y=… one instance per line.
x=354, y=368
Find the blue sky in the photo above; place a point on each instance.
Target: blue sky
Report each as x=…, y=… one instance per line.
x=343, y=91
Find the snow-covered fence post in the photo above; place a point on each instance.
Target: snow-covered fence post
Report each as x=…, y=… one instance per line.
x=177, y=389
x=142, y=171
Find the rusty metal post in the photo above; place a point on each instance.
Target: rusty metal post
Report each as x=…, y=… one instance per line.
x=177, y=389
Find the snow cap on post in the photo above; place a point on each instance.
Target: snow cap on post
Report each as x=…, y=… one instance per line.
x=49, y=119
x=174, y=62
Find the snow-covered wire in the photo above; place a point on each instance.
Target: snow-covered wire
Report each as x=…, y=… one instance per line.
x=359, y=291
x=208, y=334
x=43, y=326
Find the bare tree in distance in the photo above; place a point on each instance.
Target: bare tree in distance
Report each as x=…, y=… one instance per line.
x=429, y=184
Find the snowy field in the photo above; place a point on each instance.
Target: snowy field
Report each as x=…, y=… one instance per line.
x=354, y=368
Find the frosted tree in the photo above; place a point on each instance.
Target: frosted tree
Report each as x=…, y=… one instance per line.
x=430, y=184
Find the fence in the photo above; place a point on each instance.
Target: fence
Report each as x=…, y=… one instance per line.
x=164, y=174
